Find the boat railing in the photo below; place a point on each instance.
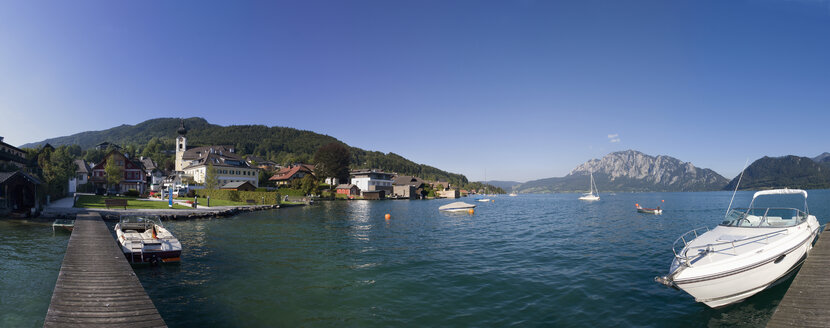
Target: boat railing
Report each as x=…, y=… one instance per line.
x=685, y=259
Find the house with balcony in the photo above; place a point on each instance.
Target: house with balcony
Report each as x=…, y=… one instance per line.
x=12, y=156
x=373, y=180
x=133, y=175
x=229, y=169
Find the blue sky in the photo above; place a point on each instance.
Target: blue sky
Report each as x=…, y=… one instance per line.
x=521, y=89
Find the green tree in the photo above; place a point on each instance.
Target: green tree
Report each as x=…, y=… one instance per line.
x=56, y=168
x=211, y=181
x=332, y=161
x=115, y=174
x=309, y=185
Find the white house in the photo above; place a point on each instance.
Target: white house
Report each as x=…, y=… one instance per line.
x=81, y=177
x=371, y=180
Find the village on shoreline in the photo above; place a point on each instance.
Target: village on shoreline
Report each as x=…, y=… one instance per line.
x=206, y=181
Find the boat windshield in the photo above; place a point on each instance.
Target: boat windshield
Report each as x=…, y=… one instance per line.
x=764, y=217
x=139, y=222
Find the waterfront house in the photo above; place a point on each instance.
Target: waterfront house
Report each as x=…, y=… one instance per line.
x=374, y=194
x=229, y=168
x=11, y=156
x=348, y=190
x=287, y=174
x=18, y=193
x=448, y=193
x=372, y=180
x=81, y=177
x=239, y=186
x=408, y=187
x=134, y=175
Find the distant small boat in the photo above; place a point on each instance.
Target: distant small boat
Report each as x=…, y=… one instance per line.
x=513, y=194
x=483, y=200
x=655, y=211
x=592, y=195
x=457, y=207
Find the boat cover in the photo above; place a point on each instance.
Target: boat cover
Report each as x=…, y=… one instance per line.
x=784, y=191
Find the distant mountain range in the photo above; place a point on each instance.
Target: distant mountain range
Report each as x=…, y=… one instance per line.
x=506, y=185
x=631, y=170
x=786, y=171
x=280, y=144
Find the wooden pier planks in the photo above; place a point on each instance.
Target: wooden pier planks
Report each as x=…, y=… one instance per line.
x=807, y=301
x=96, y=286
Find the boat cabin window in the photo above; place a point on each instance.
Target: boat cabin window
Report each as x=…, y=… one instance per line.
x=764, y=217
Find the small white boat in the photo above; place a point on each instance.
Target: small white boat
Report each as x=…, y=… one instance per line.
x=145, y=240
x=655, y=211
x=483, y=200
x=513, y=194
x=749, y=251
x=457, y=207
x=593, y=194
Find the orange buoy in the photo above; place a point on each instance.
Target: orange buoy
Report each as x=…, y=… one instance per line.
x=663, y=200
x=492, y=200
x=388, y=216
x=471, y=211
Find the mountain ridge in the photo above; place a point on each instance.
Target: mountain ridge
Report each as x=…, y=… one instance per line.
x=632, y=171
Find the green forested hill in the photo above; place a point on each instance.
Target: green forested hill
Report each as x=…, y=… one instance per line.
x=280, y=144
x=787, y=171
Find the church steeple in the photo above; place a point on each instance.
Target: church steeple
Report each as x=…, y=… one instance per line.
x=182, y=130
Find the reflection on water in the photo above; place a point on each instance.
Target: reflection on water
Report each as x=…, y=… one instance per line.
x=531, y=260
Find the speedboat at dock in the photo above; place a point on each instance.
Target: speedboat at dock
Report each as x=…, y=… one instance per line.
x=751, y=250
x=146, y=240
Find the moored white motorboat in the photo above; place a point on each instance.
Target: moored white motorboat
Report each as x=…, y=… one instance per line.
x=749, y=251
x=145, y=240
x=513, y=194
x=457, y=207
x=483, y=200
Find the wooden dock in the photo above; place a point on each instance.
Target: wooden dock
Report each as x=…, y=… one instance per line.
x=807, y=301
x=96, y=286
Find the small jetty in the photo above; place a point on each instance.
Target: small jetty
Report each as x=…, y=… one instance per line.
x=96, y=286
x=805, y=303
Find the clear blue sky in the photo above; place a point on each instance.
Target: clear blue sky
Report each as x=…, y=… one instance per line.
x=521, y=89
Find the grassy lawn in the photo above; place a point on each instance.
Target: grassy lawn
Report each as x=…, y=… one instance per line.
x=95, y=201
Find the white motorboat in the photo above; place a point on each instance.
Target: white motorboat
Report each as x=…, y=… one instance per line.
x=593, y=194
x=513, y=194
x=750, y=251
x=483, y=200
x=145, y=240
x=457, y=207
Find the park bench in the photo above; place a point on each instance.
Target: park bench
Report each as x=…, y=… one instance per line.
x=251, y=201
x=115, y=203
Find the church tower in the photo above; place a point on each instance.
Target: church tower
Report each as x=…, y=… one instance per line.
x=181, y=146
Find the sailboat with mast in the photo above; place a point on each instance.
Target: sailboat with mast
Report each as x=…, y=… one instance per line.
x=486, y=189
x=593, y=193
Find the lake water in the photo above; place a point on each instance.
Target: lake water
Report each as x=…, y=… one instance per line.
x=531, y=260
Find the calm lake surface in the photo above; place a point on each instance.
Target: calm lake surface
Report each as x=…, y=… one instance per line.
x=531, y=260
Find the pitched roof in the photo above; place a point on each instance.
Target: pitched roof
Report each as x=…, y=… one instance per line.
x=148, y=164
x=5, y=176
x=200, y=152
x=235, y=185
x=288, y=172
x=345, y=186
x=407, y=180
x=83, y=167
x=220, y=160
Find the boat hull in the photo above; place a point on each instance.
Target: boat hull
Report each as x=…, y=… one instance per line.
x=738, y=284
x=151, y=257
